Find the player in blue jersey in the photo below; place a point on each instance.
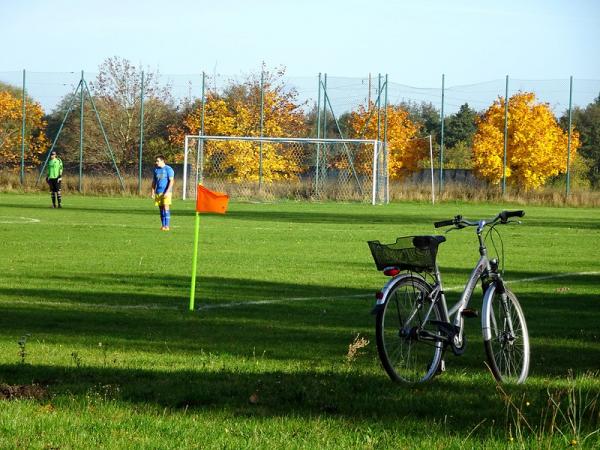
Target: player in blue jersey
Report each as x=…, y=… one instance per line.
x=162, y=190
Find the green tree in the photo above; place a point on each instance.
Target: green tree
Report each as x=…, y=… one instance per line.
x=587, y=122
x=460, y=127
x=426, y=115
x=460, y=156
x=332, y=130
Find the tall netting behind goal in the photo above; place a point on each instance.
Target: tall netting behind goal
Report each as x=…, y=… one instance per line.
x=276, y=168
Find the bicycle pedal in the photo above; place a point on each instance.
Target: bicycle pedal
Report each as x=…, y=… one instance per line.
x=446, y=327
x=469, y=313
x=441, y=367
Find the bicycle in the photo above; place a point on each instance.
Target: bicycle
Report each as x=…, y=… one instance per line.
x=414, y=327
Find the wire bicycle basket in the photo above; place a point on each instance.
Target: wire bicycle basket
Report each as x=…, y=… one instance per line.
x=415, y=253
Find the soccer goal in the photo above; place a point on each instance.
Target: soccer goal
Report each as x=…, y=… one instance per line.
x=266, y=168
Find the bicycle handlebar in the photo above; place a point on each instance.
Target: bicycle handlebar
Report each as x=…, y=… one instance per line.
x=459, y=222
x=505, y=215
x=443, y=223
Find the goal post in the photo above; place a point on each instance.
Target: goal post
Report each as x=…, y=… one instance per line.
x=252, y=167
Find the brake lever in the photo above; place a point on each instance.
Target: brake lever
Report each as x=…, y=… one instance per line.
x=455, y=227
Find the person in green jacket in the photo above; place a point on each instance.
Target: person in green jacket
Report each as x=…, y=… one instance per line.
x=54, y=178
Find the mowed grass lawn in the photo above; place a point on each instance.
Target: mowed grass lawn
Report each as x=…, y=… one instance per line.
x=110, y=356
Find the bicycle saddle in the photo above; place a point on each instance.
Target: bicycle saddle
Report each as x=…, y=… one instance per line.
x=425, y=242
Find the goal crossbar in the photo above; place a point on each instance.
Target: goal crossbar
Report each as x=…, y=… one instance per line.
x=282, y=139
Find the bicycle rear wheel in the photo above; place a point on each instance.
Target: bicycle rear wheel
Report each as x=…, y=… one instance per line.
x=506, y=338
x=406, y=340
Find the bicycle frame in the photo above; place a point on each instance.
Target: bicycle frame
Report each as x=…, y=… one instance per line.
x=483, y=266
x=480, y=270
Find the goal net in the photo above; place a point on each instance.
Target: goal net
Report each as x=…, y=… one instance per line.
x=268, y=168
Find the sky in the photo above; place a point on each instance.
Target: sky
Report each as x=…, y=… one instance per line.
x=412, y=41
x=415, y=41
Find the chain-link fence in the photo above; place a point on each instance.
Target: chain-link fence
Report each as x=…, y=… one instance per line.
x=114, y=122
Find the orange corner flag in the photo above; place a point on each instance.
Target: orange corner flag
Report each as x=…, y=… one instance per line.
x=208, y=201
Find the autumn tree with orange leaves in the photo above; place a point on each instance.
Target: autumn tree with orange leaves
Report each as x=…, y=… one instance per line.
x=405, y=151
x=236, y=112
x=536, y=146
x=36, y=143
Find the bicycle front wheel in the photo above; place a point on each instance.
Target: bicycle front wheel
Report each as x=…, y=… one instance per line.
x=505, y=337
x=406, y=340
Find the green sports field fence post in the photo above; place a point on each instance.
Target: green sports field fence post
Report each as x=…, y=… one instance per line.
x=568, y=187
x=81, y=94
x=110, y=152
x=377, y=174
x=262, y=123
x=318, y=137
x=441, y=183
x=505, y=138
x=194, y=262
x=324, y=132
x=62, y=124
x=141, y=152
x=386, y=172
x=23, y=100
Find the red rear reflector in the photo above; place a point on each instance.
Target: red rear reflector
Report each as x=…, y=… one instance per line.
x=391, y=271
x=378, y=295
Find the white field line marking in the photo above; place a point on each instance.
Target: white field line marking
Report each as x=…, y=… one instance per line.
x=208, y=227
x=278, y=300
x=18, y=220
x=549, y=277
x=275, y=300
x=526, y=280
x=111, y=225
x=97, y=305
x=163, y=307
x=453, y=288
x=285, y=228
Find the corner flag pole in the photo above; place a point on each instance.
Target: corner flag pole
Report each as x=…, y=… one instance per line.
x=207, y=201
x=194, y=262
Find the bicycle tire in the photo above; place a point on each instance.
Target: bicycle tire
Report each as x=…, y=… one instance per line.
x=404, y=355
x=505, y=337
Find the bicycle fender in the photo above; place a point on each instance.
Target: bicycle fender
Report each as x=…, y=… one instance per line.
x=385, y=290
x=486, y=328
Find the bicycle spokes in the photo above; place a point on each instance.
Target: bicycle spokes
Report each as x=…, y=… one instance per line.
x=508, y=348
x=405, y=353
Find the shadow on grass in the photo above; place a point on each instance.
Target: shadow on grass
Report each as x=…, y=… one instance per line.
x=151, y=288
x=169, y=290
x=349, y=394
x=144, y=314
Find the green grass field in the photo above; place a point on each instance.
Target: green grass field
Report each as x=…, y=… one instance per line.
x=110, y=356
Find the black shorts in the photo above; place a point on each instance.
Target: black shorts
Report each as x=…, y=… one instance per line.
x=54, y=184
